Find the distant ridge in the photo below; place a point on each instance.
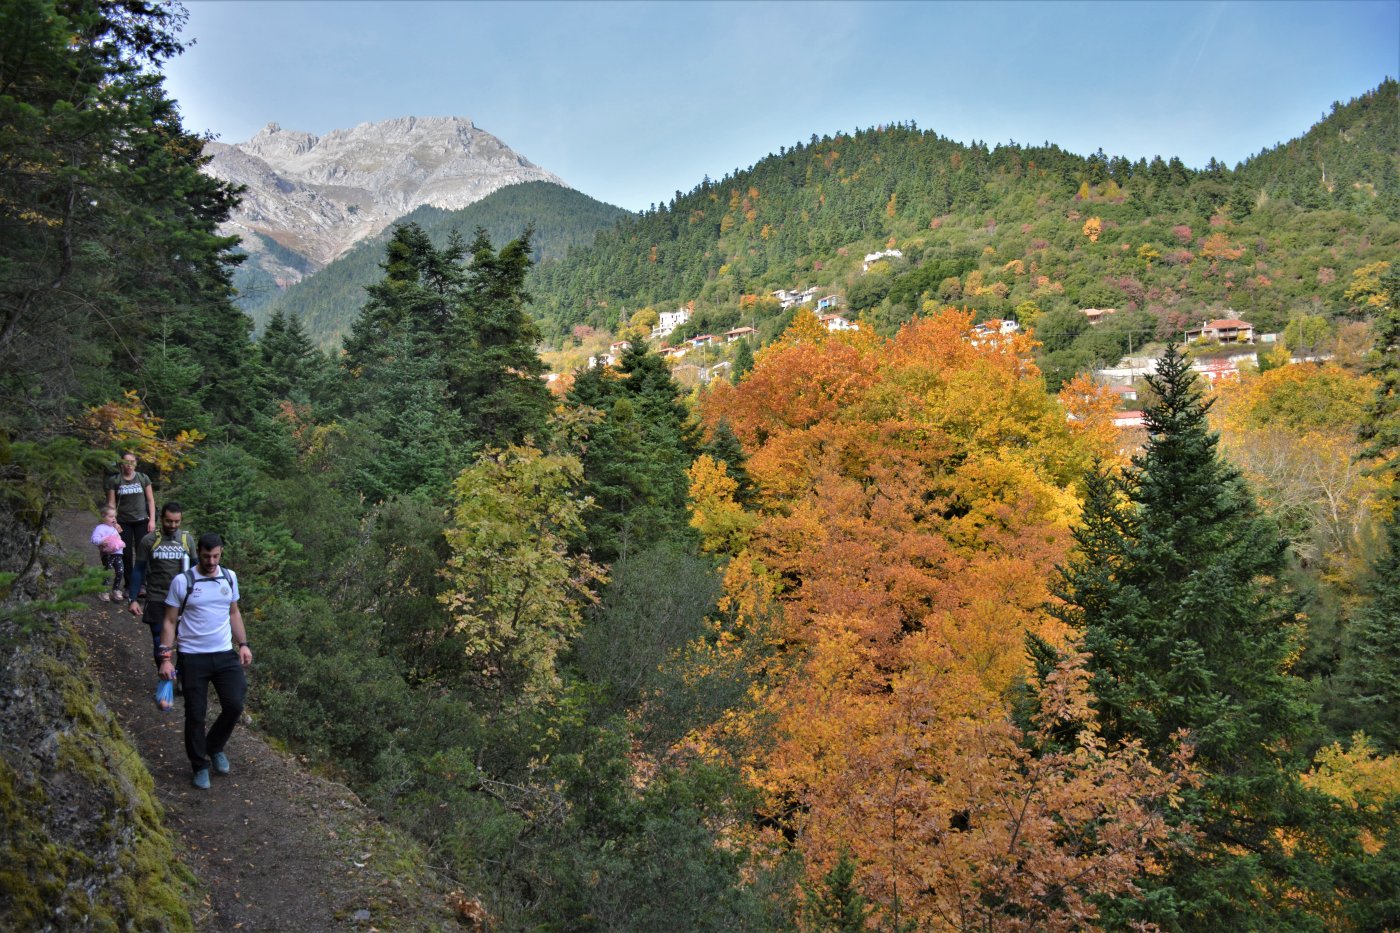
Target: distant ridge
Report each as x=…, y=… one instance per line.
x=328, y=301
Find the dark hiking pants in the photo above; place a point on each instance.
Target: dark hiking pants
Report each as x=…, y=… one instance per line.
x=132, y=533
x=197, y=672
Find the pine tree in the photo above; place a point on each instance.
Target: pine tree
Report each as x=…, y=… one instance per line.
x=1174, y=590
x=493, y=371
x=1369, y=673
x=724, y=446
x=637, y=457
x=293, y=369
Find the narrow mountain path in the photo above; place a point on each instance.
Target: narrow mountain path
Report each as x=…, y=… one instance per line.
x=274, y=847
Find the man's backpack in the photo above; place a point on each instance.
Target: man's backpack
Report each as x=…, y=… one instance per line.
x=191, y=581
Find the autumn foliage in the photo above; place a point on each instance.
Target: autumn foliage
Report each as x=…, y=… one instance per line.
x=915, y=495
x=129, y=426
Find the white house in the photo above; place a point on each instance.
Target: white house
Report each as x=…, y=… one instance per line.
x=837, y=322
x=668, y=321
x=787, y=299
x=830, y=301
x=738, y=333
x=996, y=327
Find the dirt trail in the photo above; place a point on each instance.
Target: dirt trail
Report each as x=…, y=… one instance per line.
x=274, y=847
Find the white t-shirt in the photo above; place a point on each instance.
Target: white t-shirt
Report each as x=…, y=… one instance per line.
x=204, y=627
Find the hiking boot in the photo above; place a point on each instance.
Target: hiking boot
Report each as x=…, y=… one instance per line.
x=220, y=762
x=201, y=779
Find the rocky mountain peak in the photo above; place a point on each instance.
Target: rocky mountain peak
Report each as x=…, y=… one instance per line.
x=319, y=195
x=273, y=144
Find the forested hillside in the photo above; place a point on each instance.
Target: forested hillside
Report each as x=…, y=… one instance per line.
x=1016, y=231
x=327, y=302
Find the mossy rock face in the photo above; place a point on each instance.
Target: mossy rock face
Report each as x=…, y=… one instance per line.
x=82, y=845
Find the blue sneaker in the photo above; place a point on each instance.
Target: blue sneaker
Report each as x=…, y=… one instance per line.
x=220, y=762
x=201, y=779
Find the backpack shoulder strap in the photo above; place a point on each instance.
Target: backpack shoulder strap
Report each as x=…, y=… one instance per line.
x=189, y=589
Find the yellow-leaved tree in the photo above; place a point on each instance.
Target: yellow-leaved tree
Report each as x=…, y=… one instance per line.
x=127, y=425
x=1292, y=430
x=514, y=589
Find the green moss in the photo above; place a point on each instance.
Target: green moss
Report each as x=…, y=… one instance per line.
x=125, y=857
x=32, y=871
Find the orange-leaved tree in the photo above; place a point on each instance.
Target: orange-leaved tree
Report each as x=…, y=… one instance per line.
x=914, y=496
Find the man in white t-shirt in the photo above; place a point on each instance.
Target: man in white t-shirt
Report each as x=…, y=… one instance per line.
x=203, y=622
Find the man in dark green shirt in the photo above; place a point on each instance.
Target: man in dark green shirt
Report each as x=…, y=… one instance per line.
x=160, y=557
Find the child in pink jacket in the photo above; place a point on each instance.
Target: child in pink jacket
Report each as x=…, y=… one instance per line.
x=108, y=538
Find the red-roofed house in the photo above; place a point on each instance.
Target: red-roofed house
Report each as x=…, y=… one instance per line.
x=1225, y=330
x=1095, y=315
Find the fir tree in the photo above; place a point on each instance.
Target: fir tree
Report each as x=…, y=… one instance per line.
x=1174, y=590
x=724, y=446
x=1369, y=673
x=293, y=369
x=637, y=457
x=493, y=371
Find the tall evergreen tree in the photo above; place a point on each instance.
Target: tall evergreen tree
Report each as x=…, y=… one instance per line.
x=405, y=430
x=293, y=369
x=441, y=361
x=1174, y=588
x=419, y=297
x=110, y=255
x=637, y=457
x=724, y=447
x=1369, y=673
x=1368, y=678
x=494, y=373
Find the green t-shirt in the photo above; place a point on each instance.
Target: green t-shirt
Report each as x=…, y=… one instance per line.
x=165, y=558
x=131, y=496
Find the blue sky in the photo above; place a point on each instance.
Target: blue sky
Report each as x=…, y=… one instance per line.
x=630, y=102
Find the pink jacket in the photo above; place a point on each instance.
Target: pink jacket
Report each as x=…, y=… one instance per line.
x=108, y=539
